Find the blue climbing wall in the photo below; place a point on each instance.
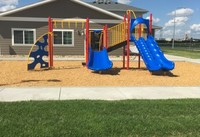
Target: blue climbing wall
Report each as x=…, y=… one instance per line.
x=39, y=54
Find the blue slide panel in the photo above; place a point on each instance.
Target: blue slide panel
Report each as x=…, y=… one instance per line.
x=98, y=60
x=158, y=54
x=147, y=57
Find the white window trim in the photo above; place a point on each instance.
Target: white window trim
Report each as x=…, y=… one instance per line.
x=23, y=29
x=65, y=45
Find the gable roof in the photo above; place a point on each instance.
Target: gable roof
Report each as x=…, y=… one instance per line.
x=115, y=6
x=76, y=1
x=25, y=7
x=98, y=9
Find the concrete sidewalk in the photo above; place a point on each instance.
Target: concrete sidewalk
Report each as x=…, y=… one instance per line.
x=170, y=57
x=97, y=93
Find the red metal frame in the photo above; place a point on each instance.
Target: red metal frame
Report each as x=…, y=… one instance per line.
x=50, y=43
x=140, y=31
x=128, y=39
x=50, y=32
x=124, y=50
x=106, y=36
x=87, y=41
x=151, y=23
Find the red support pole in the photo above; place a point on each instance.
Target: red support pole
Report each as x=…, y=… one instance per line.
x=87, y=41
x=128, y=39
x=139, y=61
x=124, y=50
x=106, y=35
x=151, y=23
x=140, y=30
x=50, y=32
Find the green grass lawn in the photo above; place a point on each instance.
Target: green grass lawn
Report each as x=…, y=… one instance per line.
x=100, y=118
x=182, y=52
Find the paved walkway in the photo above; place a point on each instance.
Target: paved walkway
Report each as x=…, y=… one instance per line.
x=97, y=93
x=170, y=57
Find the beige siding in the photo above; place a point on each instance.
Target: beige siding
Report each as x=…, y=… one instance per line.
x=41, y=28
x=67, y=9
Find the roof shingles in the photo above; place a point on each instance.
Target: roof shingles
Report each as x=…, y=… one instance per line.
x=114, y=6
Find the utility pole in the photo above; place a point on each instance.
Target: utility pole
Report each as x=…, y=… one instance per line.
x=174, y=32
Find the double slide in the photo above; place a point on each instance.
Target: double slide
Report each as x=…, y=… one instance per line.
x=151, y=53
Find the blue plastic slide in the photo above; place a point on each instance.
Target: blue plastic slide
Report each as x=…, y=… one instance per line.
x=98, y=60
x=158, y=54
x=151, y=53
x=150, y=62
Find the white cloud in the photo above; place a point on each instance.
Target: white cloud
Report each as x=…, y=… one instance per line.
x=155, y=20
x=179, y=21
x=167, y=33
x=195, y=27
x=7, y=7
x=182, y=12
x=181, y=16
x=8, y=4
x=188, y=32
x=178, y=31
x=124, y=1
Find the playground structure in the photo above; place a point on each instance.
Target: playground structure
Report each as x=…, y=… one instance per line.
x=110, y=39
x=45, y=48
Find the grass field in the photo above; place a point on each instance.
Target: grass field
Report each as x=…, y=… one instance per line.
x=101, y=118
x=181, y=49
x=182, y=52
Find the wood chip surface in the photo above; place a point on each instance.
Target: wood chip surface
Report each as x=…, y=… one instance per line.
x=72, y=73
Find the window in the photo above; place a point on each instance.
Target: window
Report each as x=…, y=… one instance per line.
x=64, y=37
x=23, y=36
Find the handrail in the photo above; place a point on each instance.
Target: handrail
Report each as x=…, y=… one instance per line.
x=131, y=11
x=76, y=21
x=117, y=34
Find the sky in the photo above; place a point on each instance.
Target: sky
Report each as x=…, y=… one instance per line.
x=186, y=14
